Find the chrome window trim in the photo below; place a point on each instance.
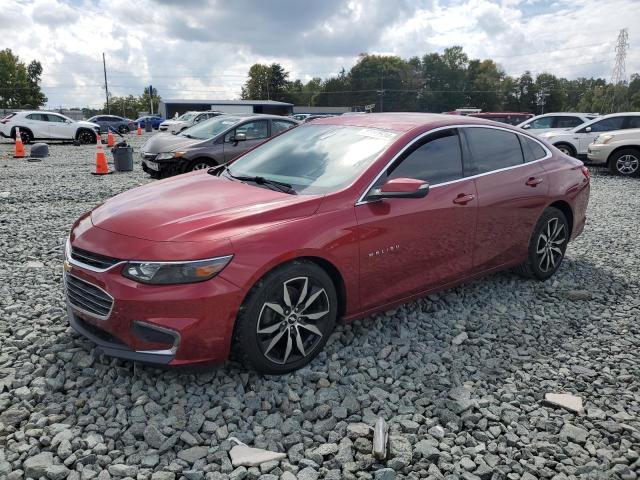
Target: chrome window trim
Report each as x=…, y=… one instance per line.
x=82, y=310
x=362, y=199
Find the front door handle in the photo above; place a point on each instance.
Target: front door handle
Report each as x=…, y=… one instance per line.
x=463, y=198
x=533, y=181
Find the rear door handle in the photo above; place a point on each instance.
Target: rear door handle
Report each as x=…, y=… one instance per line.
x=463, y=198
x=533, y=181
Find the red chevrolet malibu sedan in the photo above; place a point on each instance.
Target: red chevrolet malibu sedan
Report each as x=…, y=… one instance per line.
x=338, y=218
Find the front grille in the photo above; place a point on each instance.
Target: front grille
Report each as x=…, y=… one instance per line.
x=88, y=298
x=148, y=156
x=92, y=259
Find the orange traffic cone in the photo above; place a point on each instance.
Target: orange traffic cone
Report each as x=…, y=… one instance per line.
x=19, y=153
x=101, y=160
x=139, y=130
x=110, y=141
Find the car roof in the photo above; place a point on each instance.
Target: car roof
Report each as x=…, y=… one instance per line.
x=557, y=114
x=402, y=122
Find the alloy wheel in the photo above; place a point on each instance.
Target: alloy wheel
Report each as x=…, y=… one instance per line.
x=550, y=245
x=565, y=150
x=627, y=164
x=290, y=327
x=200, y=166
x=85, y=138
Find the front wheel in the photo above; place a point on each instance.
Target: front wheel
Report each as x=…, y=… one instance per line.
x=200, y=164
x=547, y=245
x=625, y=162
x=566, y=149
x=286, y=318
x=85, y=137
x=122, y=129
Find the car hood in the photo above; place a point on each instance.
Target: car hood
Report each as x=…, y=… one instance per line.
x=84, y=123
x=557, y=133
x=167, y=142
x=198, y=207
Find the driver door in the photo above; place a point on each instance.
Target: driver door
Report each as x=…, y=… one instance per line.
x=408, y=245
x=255, y=131
x=58, y=127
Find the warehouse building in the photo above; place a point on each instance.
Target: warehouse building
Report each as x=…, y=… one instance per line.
x=169, y=108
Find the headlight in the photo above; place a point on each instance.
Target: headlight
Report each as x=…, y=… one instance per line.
x=163, y=273
x=169, y=155
x=604, y=139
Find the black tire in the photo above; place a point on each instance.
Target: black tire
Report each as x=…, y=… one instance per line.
x=566, y=148
x=86, y=137
x=200, y=164
x=25, y=135
x=625, y=162
x=122, y=129
x=275, y=334
x=542, y=261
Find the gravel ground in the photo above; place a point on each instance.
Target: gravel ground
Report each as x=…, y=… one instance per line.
x=460, y=376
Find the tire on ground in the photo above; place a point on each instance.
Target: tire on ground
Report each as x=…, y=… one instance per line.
x=537, y=265
x=627, y=167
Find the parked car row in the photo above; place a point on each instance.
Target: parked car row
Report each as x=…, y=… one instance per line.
x=187, y=120
x=337, y=218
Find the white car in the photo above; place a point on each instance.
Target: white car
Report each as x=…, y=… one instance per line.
x=555, y=121
x=187, y=120
x=41, y=125
x=619, y=150
x=575, y=142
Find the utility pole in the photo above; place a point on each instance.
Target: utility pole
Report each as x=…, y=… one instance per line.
x=106, y=87
x=381, y=91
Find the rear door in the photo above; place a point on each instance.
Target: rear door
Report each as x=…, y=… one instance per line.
x=256, y=131
x=408, y=245
x=37, y=123
x=511, y=194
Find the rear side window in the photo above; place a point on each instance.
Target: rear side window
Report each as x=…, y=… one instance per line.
x=493, y=149
x=37, y=116
x=567, y=122
x=437, y=160
x=531, y=149
x=280, y=126
x=545, y=122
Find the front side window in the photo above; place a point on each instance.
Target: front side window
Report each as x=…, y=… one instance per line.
x=280, y=126
x=606, y=125
x=545, y=122
x=254, y=130
x=437, y=160
x=568, y=122
x=55, y=118
x=316, y=159
x=493, y=149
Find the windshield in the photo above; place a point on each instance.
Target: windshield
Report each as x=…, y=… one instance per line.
x=209, y=128
x=186, y=116
x=315, y=159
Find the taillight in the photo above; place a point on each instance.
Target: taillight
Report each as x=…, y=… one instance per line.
x=585, y=172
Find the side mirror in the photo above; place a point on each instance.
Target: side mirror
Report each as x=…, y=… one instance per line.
x=587, y=129
x=527, y=126
x=239, y=137
x=400, y=188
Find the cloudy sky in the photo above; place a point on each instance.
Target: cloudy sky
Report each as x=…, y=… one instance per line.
x=203, y=48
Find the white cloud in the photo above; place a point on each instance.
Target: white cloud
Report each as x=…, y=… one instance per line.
x=200, y=49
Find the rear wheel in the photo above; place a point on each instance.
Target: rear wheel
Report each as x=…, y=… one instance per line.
x=566, y=149
x=123, y=129
x=625, y=162
x=25, y=135
x=86, y=137
x=547, y=245
x=286, y=318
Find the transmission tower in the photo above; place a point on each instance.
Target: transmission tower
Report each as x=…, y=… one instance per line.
x=619, y=76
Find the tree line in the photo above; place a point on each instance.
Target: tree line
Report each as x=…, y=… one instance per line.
x=441, y=82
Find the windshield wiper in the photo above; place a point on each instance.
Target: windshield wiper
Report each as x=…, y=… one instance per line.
x=283, y=187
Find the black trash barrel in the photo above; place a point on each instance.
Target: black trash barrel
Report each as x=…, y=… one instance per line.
x=122, y=157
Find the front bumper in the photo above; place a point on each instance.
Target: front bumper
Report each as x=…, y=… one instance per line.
x=199, y=318
x=597, y=154
x=164, y=167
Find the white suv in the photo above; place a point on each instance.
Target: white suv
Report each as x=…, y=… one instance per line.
x=575, y=142
x=555, y=121
x=40, y=125
x=187, y=120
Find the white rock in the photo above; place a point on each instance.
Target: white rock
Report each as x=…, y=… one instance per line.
x=568, y=401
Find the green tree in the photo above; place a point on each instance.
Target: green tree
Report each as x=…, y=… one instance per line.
x=130, y=106
x=20, y=83
x=266, y=82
